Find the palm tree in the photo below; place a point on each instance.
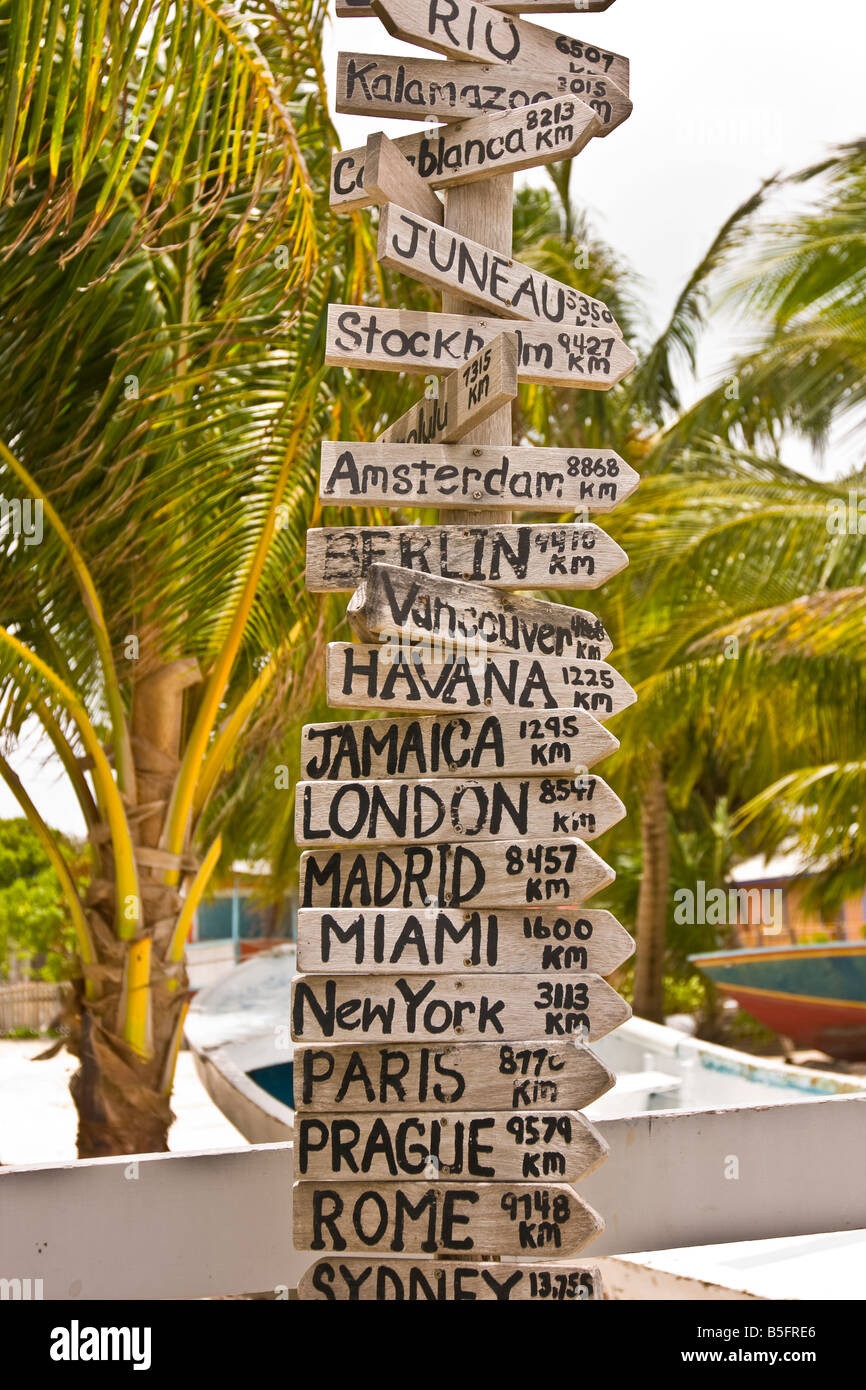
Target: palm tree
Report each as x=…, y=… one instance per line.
x=166, y=252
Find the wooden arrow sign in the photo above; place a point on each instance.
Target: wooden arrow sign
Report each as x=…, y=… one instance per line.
x=410, y=1008
x=420, y=1218
x=392, y=602
x=466, y=30
x=575, y=555
x=496, y=874
x=466, y=396
x=371, y=1077
x=390, y=178
x=434, y=939
x=435, y=809
x=453, y=264
x=465, y=1145
x=465, y=151
x=446, y=1281
x=435, y=747
x=366, y=677
x=401, y=340
x=423, y=89
x=471, y=476
x=363, y=9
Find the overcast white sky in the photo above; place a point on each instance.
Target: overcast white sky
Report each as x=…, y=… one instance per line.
x=724, y=95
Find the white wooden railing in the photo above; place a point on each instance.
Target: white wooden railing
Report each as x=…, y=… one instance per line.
x=194, y=1225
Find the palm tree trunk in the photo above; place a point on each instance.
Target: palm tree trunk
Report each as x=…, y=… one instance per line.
x=122, y=1097
x=652, y=908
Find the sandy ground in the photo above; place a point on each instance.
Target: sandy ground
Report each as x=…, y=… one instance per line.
x=37, y=1117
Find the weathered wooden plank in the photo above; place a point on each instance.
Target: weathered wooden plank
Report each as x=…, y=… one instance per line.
x=391, y=601
x=466, y=30
x=363, y=9
x=463, y=152
x=403, y=340
x=482, y=1008
x=524, y=873
x=441, y=1217
x=436, y=747
x=390, y=178
x=572, y=555
x=451, y=262
x=491, y=1146
x=466, y=395
x=447, y=1281
x=433, y=939
x=424, y=89
x=554, y=1075
x=367, y=677
x=429, y=810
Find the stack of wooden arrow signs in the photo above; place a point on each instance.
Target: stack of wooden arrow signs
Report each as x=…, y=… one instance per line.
x=451, y=977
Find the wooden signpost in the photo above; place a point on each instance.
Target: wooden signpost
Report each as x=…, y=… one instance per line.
x=476, y=744
x=569, y=556
x=398, y=340
x=454, y=263
x=497, y=873
x=361, y=677
x=465, y=151
x=468, y=394
x=452, y=976
x=467, y=477
x=377, y=1077
x=423, y=89
x=438, y=939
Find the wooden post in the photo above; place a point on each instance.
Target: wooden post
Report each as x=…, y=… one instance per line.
x=483, y=212
x=451, y=977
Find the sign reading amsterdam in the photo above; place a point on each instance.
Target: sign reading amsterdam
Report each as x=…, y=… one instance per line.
x=361, y=677
x=459, y=1144
x=497, y=873
x=421, y=89
x=551, y=1074
x=464, y=29
x=464, y=151
x=436, y=747
x=453, y=263
x=385, y=813
x=442, y=1218
x=438, y=939
x=472, y=476
x=357, y=1281
x=398, y=602
x=468, y=395
x=401, y=340
x=576, y=555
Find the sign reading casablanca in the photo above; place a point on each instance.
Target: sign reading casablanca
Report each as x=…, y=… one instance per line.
x=401, y=340
x=438, y=939
x=576, y=555
x=379, y=678
x=465, y=151
x=421, y=89
x=472, y=476
x=372, y=1077
x=466, y=30
x=455, y=264
x=475, y=744
x=497, y=873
